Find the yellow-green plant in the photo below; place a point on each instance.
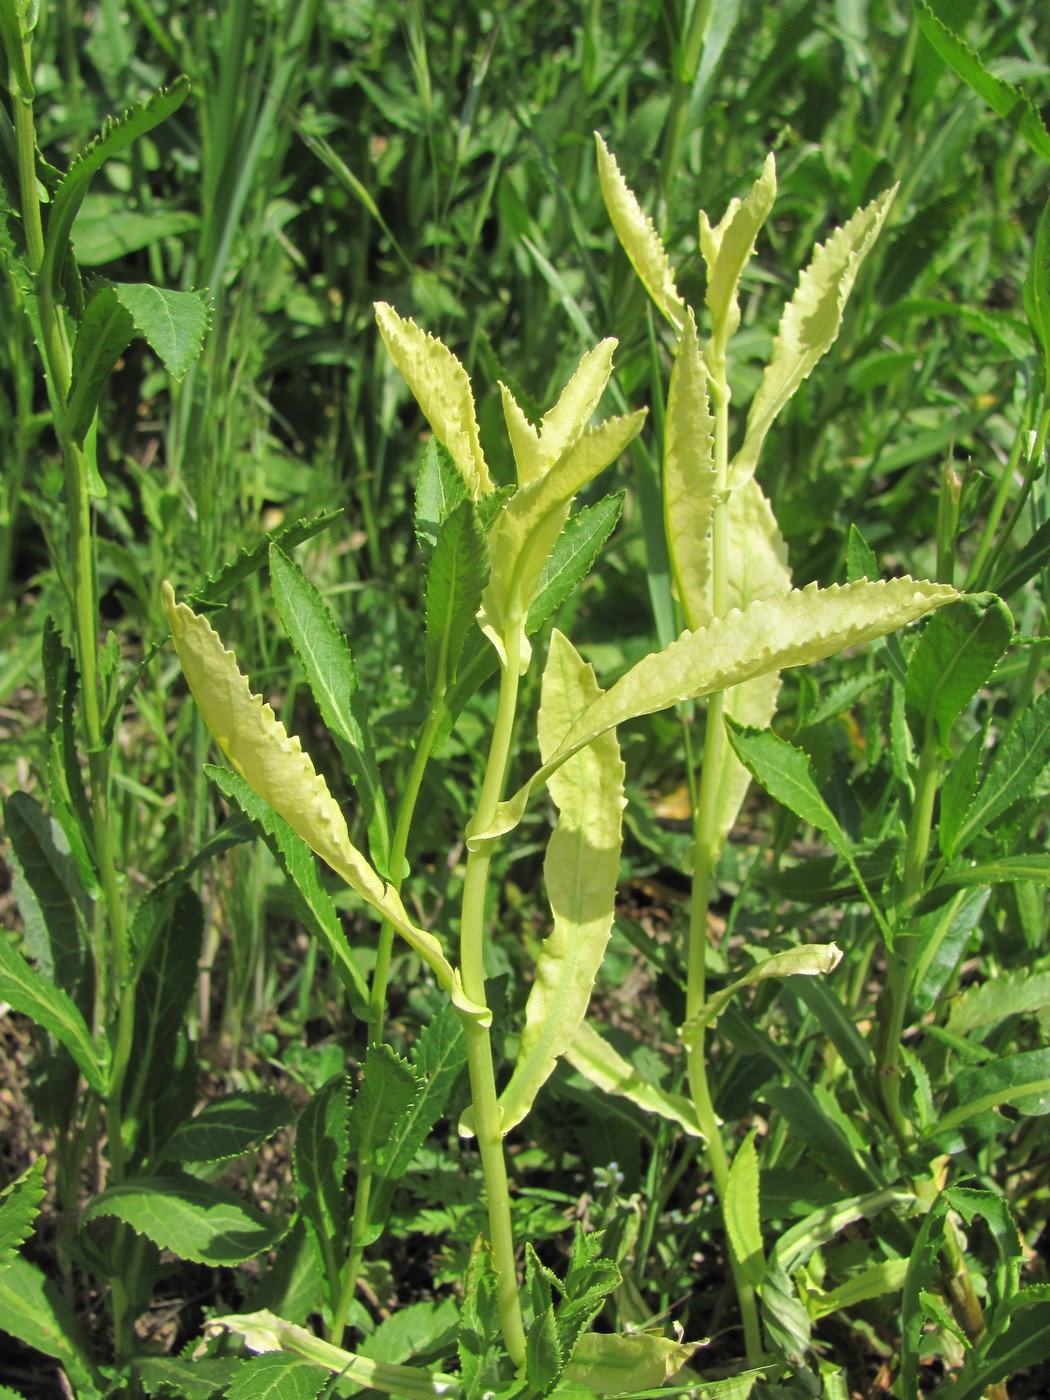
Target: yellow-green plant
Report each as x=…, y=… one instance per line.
x=497, y=562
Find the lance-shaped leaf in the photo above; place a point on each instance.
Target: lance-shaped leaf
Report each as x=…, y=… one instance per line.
x=771, y=634
x=273, y=763
x=812, y=961
x=954, y=657
x=319, y=1160
x=639, y=238
x=456, y=576
x=689, y=478
x=581, y=870
x=526, y=530
x=54, y=1010
x=536, y=451
x=19, y=1207
x=620, y=1365
x=593, y=1057
x=727, y=247
x=758, y=566
x=389, y=1089
x=809, y=325
x=1037, y=296
x=441, y=387
x=743, y=1222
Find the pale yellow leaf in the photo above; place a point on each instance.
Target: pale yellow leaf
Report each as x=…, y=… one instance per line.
x=442, y=389
x=689, y=478
x=757, y=565
x=594, y=1058
x=272, y=762
x=619, y=1365
x=727, y=248
x=809, y=325
x=813, y=960
x=581, y=871
x=639, y=238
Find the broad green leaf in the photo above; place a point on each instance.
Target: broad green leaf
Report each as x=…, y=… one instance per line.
x=249, y=561
x=984, y=1004
x=427, y=1327
x=104, y=332
x=263, y=1332
x=480, y=1343
x=439, y=489
x=803, y=626
x=192, y=1218
x=1014, y=769
x=954, y=656
x=757, y=549
x=809, y=325
x=812, y=961
x=389, y=1088
x=1003, y=98
x=727, y=248
x=690, y=478
x=114, y=136
x=598, y=1062
x=1037, y=295
x=34, y=1310
x=581, y=871
x=1007, y=870
x=106, y=228
x=274, y=1376
x=320, y=1159
x=456, y=577
x=274, y=764
x=958, y=791
x=1022, y=1081
x=312, y=902
x=439, y=1057
x=615, y=1365
x=543, y=1358
x=873, y=1282
x=332, y=678
x=524, y=534
x=1024, y=1344
x=740, y=1209
x=229, y=1126
x=19, y=1207
x=536, y=450
x=29, y=992
x=639, y=238
x=440, y=386
x=189, y=1380
x=173, y=324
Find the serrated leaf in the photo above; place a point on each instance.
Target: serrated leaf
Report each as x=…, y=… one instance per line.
x=105, y=330
x=33, y=1310
x=311, y=900
x=741, y=1213
x=439, y=489
x=228, y=1127
x=537, y=449
x=440, y=386
x=954, y=656
x=1014, y=769
x=1032, y=558
x=189, y=1380
x=480, y=1343
x=604, y=1067
x=639, y=238
x=192, y=1218
x=1037, y=295
x=814, y=960
x=1026, y=1343
x=690, y=478
x=420, y=1328
x=274, y=1376
x=615, y=1365
x=389, y=1088
x=332, y=677
x=941, y=937
x=809, y=326
x=987, y=1003
x=860, y=560
x=1003, y=98
x=958, y=790
x=172, y=323
x=28, y=992
x=727, y=248
x=456, y=577
x=320, y=1159
x=19, y=1207
x=803, y=626
x=1021, y=1081
x=543, y=1359
x=581, y=871
x=250, y=559
x=274, y=764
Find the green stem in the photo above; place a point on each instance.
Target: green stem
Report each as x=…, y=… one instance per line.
x=1032, y=470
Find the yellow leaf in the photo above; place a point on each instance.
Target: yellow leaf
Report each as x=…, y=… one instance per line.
x=639, y=238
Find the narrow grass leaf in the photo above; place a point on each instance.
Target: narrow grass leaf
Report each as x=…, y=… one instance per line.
x=741, y=1211
x=389, y=1088
x=615, y=1365
x=689, y=478
x=274, y=1376
x=332, y=677
x=604, y=1067
x=954, y=656
x=809, y=325
x=33, y=1310
x=229, y=1126
x=1037, y=295
x=813, y=961
x=440, y=386
x=581, y=871
x=194, y=1219
x=1003, y=98
x=727, y=248
x=1031, y=559
x=456, y=577
x=639, y=238
x=19, y=1207
x=54, y=1011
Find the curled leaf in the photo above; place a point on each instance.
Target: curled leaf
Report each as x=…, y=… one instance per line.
x=639, y=238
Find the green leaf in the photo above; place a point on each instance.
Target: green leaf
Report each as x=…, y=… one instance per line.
x=1032, y=558
x=814, y=960
x=941, y=939
x=598, y=1062
x=983, y=1004
x=248, y=561
x=114, y=136
x=1007, y=870
x=1037, y=298
x=439, y=1056
x=311, y=901
x=320, y=1160
x=33, y=1310
x=173, y=324
x=860, y=559
x=689, y=478
x=1022, y=1081
x=424, y=1328
x=274, y=1376
x=1004, y=99
x=809, y=325
x=19, y=1207
x=1014, y=769
x=581, y=871
x=105, y=330
x=727, y=248
x=954, y=656
x=957, y=791
x=741, y=1211
x=228, y=1127
x=770, y=634
x=543, y=1358
x=875, y=1281
x=65, y=777
x=615, y=1365
x=192, y=1218
x=189, y=1380
x=332, y=678
x=456, y=578
x=439, y=489
x=106, y=229
x=389, y=1088
x=1025, y=1343
x=480, y=1342
x=54, y=1011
